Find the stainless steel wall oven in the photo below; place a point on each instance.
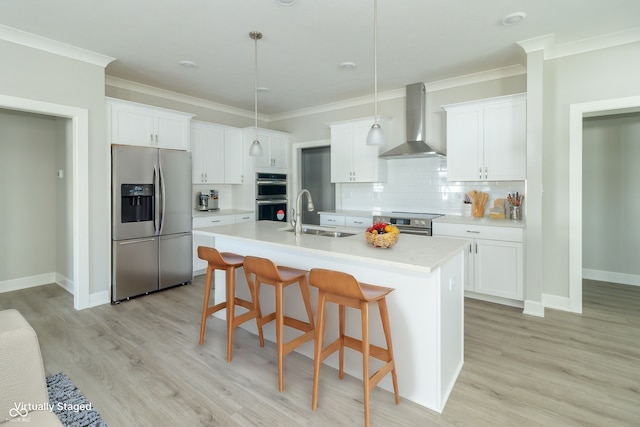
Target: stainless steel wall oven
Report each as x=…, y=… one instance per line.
x=271, y=197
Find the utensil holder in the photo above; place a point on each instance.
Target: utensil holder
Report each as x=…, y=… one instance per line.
x=466, y=209
x=478, y=210
x=515, y=213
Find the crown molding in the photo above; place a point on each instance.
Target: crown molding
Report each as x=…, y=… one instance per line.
x=52, y=46
x=554, y=51
x=483, y=76
x=175, y=96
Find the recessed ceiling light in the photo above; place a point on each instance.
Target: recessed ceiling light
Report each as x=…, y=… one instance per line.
x=188, y=64
x=513, y=18
x=286, y=2
x=264, y=89
x=348, y=66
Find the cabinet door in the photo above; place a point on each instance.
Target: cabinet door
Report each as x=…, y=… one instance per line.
x=279, y=151
x=365, y=162
x=172, y=130
x=341, y=154
x=505, y=156
x=464, y=144
x=499, y=268
x=208, y=154
x=233, y=156
x=132, y=125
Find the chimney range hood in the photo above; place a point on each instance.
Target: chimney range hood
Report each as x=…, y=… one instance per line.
x=415, y=123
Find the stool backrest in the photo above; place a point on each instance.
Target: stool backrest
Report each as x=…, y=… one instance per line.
x=263, y=268
x=212, y=256
x=336, y=282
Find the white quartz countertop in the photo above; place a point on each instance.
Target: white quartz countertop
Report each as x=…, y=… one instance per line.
x=458, y=219
x=197, y=214
x=412, y=252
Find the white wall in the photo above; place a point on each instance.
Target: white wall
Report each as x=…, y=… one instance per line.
x=28, y=217
x=597, y=75
x=40, y=76
x=611, y=196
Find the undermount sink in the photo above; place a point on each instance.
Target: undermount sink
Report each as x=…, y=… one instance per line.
x=320, y=232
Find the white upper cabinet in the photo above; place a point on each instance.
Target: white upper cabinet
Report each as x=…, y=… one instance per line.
x=130, y=123
x=276, y=148
x=217, y=153
x=352, y=160
x=487, y=139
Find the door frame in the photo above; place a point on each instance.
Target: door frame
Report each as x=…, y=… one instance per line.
x=576, y=114
x=79, y=183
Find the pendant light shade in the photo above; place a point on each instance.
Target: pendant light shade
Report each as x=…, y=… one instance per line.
x=375, y=136
x=256, y=147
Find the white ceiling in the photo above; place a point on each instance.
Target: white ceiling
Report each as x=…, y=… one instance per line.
x=304, y=44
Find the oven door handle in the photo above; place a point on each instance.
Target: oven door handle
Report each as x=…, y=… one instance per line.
x=270, y=182
x=271, y=202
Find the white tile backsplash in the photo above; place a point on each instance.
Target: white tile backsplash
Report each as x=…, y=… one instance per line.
x=420, y=185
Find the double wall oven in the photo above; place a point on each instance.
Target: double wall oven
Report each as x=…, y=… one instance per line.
x=271, y=197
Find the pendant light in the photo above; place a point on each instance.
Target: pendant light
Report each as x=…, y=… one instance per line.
x=375, y=136
x=256, y=147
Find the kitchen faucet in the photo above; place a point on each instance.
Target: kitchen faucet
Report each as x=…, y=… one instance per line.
x=296, y=222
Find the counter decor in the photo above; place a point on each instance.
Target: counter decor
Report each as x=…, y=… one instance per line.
x=382, y=235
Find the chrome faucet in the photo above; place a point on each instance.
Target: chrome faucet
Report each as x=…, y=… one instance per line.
x=296, y=221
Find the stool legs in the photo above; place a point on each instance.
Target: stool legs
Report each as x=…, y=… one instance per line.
x=205, y=305
x=364, y=346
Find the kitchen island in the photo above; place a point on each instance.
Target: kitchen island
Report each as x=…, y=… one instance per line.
x=425, y=310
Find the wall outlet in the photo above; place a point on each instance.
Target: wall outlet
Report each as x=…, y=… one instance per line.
x=60, y=173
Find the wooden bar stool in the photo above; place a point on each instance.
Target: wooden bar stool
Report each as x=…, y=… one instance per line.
x=344, y=290
x=228, y=262
x=262, y=270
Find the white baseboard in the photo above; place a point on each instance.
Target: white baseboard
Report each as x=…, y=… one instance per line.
x=99, y=298
x=27, y=282
x=533, y=308
x=611, y=276
x=556, y=302
x=64, y=283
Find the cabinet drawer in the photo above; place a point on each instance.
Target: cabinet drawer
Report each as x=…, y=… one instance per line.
x=357, y=221
x=210, y=221
x=332, y=220
x=470, y=231
x=248, y=217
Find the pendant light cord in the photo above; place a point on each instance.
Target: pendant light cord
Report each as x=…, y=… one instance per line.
x=255, y=58
x=375, y=60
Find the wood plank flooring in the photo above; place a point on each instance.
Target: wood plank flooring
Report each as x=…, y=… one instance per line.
x=140, y=364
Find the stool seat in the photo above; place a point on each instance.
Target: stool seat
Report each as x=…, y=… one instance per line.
x=343, y=289
x=227, y=261
x=264, y=271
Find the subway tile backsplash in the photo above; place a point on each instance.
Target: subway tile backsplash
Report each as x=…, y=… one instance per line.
x=420, y=185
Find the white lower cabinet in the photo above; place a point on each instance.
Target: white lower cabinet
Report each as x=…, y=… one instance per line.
x=341, y=220
x=495, y=258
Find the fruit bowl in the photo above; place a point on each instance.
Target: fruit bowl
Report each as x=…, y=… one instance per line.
x=382, y=235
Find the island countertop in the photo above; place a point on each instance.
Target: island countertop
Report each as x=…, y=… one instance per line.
x=411, y=252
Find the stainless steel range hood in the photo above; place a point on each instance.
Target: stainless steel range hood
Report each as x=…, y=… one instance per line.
x=416, y=130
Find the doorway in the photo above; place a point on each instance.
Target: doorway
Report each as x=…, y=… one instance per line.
x=315, y=176
x=78, y=131
x=577, y=113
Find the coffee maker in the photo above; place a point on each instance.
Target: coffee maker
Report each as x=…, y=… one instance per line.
x=202, y=201
x=213, y=200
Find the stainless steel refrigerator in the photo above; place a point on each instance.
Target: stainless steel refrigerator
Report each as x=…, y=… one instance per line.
x=151, y=220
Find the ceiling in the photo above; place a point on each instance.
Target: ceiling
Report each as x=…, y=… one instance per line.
x=304, y=44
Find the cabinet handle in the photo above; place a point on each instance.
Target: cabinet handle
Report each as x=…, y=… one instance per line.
x=476, y=248
x=480, y=172
x=486, y=173
x=471, y=231
x=151, y=138
x=357, y=222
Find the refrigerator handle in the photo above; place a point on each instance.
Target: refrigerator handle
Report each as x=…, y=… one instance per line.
x=156, y=199
x=163, y=196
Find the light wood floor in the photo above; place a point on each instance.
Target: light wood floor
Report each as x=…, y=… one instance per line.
x=140, y=364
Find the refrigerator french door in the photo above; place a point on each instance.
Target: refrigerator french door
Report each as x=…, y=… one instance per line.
x=151, y=220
